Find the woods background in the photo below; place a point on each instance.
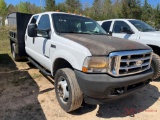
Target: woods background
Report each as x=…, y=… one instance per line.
x=99, y=10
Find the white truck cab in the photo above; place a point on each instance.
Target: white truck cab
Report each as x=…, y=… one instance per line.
x=86, y=63
x=135, y=30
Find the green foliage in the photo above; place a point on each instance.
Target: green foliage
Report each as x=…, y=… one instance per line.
x=99, y=10
x=157, y=16
x=61, y=7
x=27, y=7
x=3, y=7
x=73, y=6
x=147, y=11
x=131, y=9
x=50, y=5
x=3, y=10
x=23, y=7
x=11, y=9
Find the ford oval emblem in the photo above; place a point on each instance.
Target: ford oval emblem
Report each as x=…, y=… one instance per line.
x=139, y=62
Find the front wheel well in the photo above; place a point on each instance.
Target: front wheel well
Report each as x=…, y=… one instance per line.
x=156, y=49
x=61, y=63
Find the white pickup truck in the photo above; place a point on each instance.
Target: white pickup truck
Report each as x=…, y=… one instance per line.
x=135, y=30
x=86, y=63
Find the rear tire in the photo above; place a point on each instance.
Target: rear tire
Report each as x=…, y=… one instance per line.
x=15, y=56
x=155, y=64
x=68, y=92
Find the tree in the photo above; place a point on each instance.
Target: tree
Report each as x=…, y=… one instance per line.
x=136, y=9
x=107, y=12
x=61, y=7
x=50, y=5
x=27, y=7
x=3, y=10
x=117, y=9
x=11, y=9
x=97, y=9
x=157, y=16
x=73, y=6
x=147, y=11
x=125, y=9
x=131, y=9
x=87, y=9
x=23, y=7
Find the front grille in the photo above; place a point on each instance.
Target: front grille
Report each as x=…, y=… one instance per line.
x=129, y=62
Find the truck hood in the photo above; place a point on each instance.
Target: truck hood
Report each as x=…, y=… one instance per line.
x=103, y=44
x=154, y=33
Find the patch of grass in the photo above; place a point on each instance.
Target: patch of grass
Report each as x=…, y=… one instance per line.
x=4, y=43
x=19, y=79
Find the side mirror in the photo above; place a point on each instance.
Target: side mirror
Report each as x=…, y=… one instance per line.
x=45, y=33
x=125, y=30
x=32, y=30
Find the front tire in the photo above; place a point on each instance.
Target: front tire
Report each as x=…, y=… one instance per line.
x=68, y=92
x=155, y=64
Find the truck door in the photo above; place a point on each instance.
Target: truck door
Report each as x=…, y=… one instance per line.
x=122, y=30
x=29, y=41
x=39, y=47
x=42, y=45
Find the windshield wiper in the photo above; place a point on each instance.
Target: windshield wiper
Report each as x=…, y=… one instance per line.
x=145, y=30
x=90, y=33
x=95, y=33
x=71, y=32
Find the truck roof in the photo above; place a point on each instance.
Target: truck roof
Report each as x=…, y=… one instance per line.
x=115, y=19
x=51, y=12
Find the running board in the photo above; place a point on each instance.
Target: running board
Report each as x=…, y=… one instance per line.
x=39, y=67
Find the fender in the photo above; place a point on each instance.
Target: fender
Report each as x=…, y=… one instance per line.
x=76, y=60
x=149, y=40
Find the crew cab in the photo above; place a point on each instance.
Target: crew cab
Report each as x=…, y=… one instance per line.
x=136, y=30
x=86, y=63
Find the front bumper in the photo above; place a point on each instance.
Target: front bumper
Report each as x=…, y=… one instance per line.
x=99, y=88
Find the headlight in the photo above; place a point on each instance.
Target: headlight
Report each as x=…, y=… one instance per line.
x=96, y=65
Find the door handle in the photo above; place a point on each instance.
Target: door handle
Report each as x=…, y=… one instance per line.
x=53, y=46
x=26, y=38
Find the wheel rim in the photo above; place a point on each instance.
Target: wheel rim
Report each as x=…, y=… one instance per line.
x=62, y=89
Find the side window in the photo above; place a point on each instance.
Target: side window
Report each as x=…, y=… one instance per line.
x=34, y=19
x=118, y=26
x=106, y=26
x=44, y=23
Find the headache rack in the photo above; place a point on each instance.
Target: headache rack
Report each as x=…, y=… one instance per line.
x=129, y=62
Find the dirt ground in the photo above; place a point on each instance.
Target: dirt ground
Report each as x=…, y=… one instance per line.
x=25, y=94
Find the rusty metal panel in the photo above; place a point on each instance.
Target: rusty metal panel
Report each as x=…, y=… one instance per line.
x=103, y=44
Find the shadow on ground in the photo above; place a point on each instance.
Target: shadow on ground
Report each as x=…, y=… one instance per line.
x=131, y=105
x=18, y=93
x=128, y=106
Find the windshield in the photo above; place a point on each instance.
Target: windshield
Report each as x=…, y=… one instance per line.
x=65, y=23
x=141, y=26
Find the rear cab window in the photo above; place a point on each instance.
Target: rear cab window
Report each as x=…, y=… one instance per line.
x=34, y=19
